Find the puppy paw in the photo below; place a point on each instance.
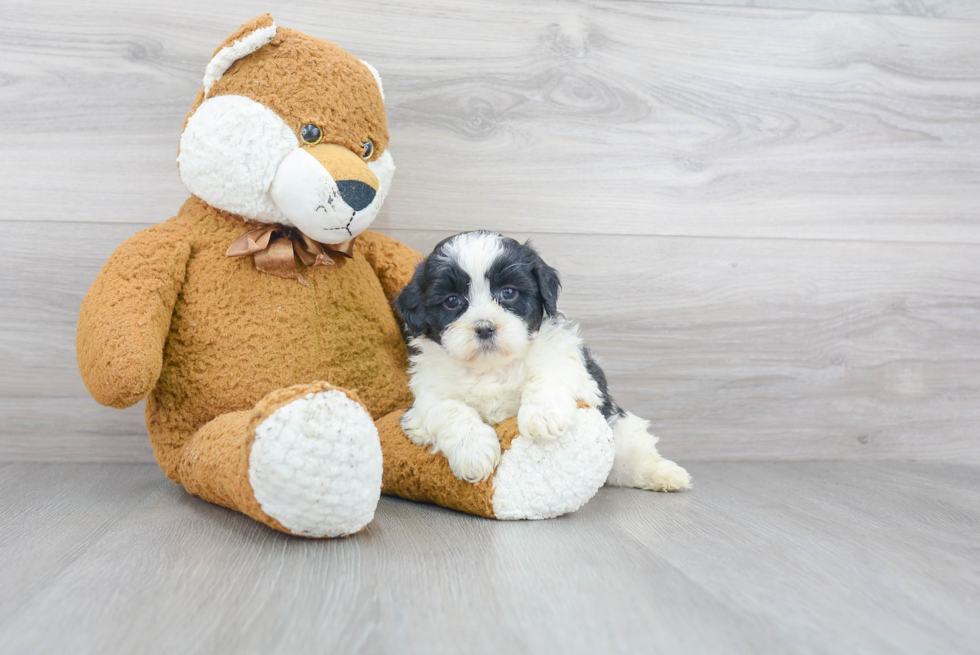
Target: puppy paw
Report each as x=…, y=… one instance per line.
x=473, y=456
x=414, y=428
x=662, y=475
x=546, y=419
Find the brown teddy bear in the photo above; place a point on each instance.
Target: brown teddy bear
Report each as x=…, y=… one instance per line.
x=257, y=323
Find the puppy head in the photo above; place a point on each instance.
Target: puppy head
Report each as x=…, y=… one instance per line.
x=481, y=296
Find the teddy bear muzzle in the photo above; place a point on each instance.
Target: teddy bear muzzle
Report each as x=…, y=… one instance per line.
x=356, y=183
x=326, y=191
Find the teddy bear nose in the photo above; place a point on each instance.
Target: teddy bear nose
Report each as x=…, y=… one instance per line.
x=355, y=193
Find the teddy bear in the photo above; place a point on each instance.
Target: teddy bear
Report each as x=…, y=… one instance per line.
x=257, y=323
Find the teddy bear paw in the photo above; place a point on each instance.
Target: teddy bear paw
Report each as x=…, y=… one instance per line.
x=316, y=464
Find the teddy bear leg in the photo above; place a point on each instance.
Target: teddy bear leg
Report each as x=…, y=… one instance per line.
x=534, y=480
x=305, y=460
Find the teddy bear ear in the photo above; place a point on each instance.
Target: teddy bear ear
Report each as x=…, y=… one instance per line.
x=377, y=77
x=244, y=41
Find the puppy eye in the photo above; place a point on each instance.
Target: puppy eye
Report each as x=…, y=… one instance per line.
x=311, y=134
x=368, y=150
x=452, y=302
x=508, y=293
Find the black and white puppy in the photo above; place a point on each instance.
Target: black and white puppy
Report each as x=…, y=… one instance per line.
x=488, y=343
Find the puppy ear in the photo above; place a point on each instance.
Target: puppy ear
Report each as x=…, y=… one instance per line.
x=408, y=304
x=549, y=284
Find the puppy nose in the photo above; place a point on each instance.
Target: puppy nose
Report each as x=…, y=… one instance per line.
x=484, y=329
x=355, y=193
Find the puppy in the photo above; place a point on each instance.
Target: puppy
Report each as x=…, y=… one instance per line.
x=488, y=343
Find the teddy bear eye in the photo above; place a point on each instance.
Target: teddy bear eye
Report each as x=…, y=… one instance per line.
x=311, y=134
x=368, y=150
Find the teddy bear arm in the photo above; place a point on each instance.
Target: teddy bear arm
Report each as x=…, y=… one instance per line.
x=125, y=317
x=393, y=262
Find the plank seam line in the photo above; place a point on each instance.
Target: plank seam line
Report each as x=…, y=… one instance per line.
x=530, y=233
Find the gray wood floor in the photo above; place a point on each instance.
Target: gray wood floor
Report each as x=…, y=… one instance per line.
x=857, y=557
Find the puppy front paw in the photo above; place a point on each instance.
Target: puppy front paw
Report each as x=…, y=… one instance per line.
x=473, y=456
x=414, y=428
x=546, y=419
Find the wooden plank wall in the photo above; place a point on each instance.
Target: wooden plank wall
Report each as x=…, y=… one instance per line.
x=767, y=213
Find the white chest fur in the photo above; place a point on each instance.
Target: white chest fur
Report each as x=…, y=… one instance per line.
x=493, y=391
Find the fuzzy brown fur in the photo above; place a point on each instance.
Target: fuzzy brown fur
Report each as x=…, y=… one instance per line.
x=295, y=75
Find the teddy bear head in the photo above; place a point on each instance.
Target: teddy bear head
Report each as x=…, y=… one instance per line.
x=289, y=129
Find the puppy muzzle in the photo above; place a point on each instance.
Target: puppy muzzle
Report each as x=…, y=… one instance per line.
x=485, y=330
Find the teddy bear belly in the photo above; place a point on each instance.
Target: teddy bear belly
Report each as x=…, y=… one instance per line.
x=229, y=347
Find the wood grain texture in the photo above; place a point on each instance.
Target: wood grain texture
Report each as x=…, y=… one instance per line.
x=772, y=557
x=951, y=9
x=734, y=348
x=50, y=515
x=554, y=116
x=71, y=429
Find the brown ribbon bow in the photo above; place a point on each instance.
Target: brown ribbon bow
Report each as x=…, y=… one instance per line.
x=277, y=247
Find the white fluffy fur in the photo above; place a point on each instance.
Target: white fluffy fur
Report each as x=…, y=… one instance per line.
x=461, y=388
x=228, y=55
x=456, y=400
x=543, y=479
x=638, y=464
x=316, y=465
x=230, y=152
x=556, y=381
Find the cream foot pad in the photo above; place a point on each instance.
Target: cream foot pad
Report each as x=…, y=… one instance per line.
x=544, y=479
x=315, y=465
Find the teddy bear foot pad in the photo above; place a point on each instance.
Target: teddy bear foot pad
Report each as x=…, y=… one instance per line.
x=545, y=479
x=315, y=465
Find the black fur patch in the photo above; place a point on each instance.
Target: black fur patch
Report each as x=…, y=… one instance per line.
x=608, y=408
x=520, y=267
x=421, y=304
